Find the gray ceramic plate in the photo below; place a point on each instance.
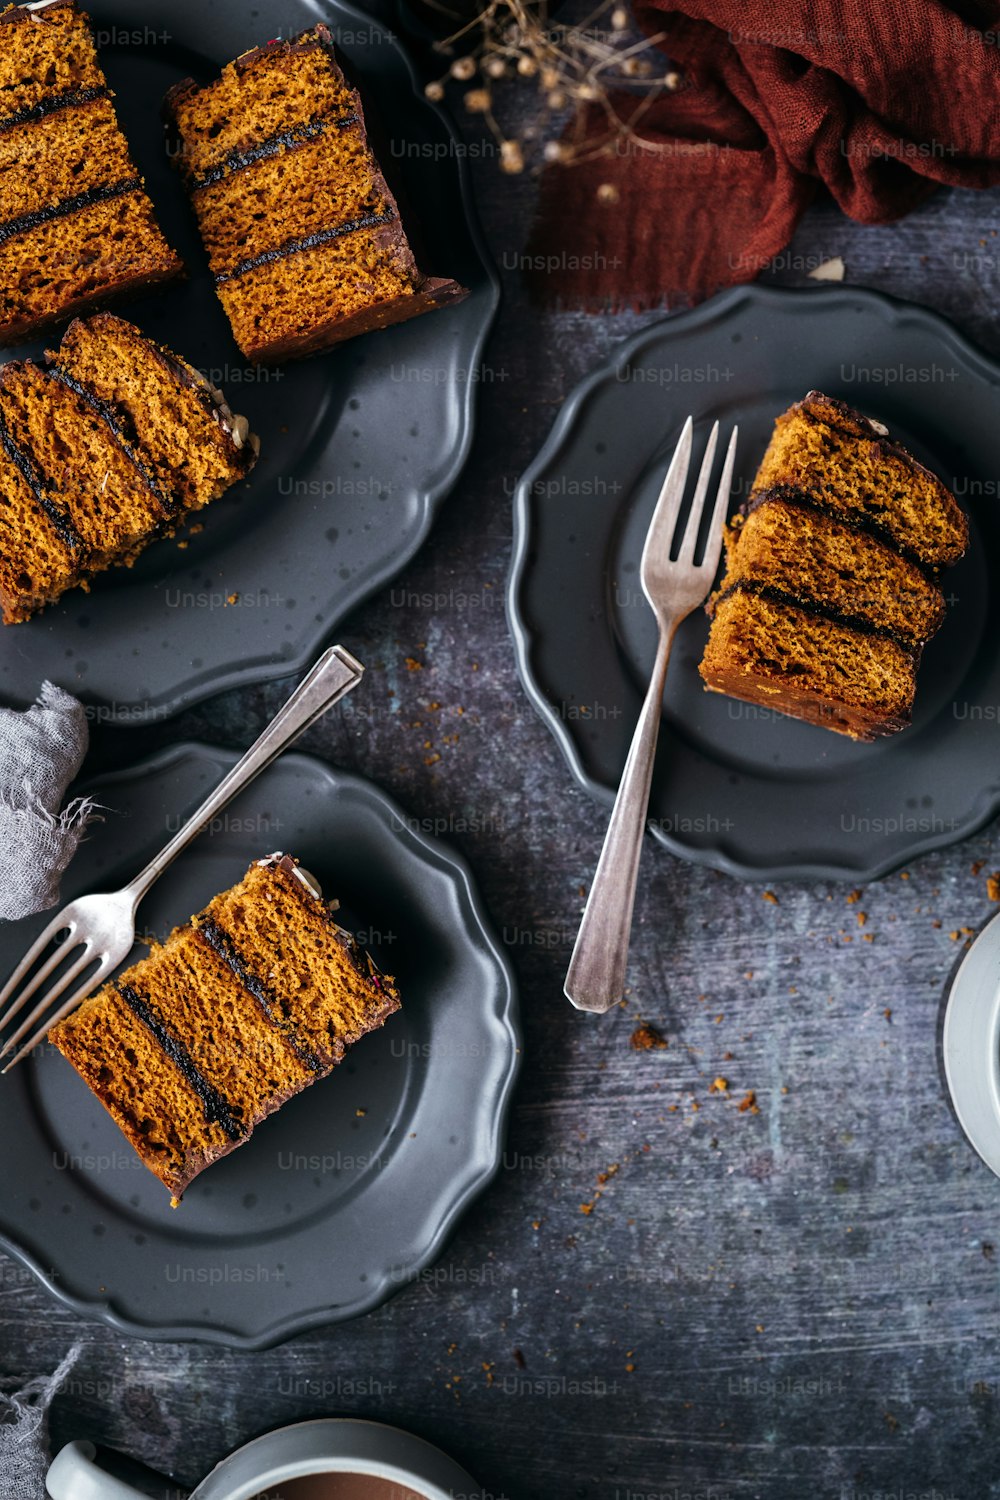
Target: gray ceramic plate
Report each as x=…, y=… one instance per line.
x=740, y=788
x=358, y=447
x=351, y=1189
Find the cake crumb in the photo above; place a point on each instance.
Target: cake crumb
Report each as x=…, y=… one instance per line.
x=770, y=896
x=853, y=897
x=749, y=1103
x=646, y=1038
x=412, y=665
x=719, y=1085
x=993, y=886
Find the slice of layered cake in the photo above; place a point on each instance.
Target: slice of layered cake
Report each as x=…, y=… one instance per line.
x=246, y=1005
x=303, y=234
x=76, y=227
x=831, y=584
x=110, y=443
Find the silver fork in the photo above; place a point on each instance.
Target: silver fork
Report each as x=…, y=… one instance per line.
x=105, y=924
x=595, y=979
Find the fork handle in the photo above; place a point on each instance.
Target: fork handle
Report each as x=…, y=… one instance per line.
x=333, y=675
x=595, y=979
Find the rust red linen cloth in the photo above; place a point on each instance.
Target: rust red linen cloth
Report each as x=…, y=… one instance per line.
x=878, y=100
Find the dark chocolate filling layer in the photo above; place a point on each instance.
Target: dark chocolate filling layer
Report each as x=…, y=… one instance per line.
x=65, y=530
x=218, y=1110
x=856, y=623
x=107, y=414
x=72, y=205
x=222, y=944
x=310, y=242
x=273, y=145
x=854, y=521
x=55, y=102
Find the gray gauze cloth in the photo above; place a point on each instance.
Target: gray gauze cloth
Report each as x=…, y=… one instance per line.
x=41, y=751
x=24, y=1434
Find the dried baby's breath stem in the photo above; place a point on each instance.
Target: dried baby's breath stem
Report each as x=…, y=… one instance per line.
x=572, y=67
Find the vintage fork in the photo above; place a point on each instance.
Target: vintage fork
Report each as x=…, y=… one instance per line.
x=105, y=924
x=595, y=979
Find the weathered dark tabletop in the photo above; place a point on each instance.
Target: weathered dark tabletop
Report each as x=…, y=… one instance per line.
x=660, y=1295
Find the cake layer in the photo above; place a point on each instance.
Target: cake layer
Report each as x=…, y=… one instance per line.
x=179, y=427
x=329, y=180
x=294, y=298
x=69, y=263
x=841, y=461
x=76, y=227
x=260, y=97
x=44, y=55
x=37, y=558
x=119, y=1057
x=193, y=1046
x=311, y=974
x=112, y=507
x=812, y=668
x=248, y=1062
x=841, y=570
x=60, y=157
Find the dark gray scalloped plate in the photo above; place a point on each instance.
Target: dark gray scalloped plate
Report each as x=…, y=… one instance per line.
x=359, y=447
x=743, y=789
x=347, y=1193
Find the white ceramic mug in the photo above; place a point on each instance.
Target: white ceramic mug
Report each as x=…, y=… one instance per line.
x=327, y=1446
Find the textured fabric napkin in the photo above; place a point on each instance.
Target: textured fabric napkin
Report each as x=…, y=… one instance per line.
x=41, y=751
x=24, y=1434
x=879, y=100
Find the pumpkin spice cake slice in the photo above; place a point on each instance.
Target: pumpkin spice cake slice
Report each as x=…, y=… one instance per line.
x=303, y=234
x=241, y=1008
x=831, y=585
x=76, y=226
x=110, y=443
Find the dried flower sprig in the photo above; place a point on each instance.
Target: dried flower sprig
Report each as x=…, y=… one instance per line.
x=572, y=65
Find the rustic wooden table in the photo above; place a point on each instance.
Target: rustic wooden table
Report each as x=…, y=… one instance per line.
x=796, y=1302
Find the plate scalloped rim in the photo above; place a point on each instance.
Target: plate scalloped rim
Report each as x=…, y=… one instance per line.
x=449, y=862
x=723, y=305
